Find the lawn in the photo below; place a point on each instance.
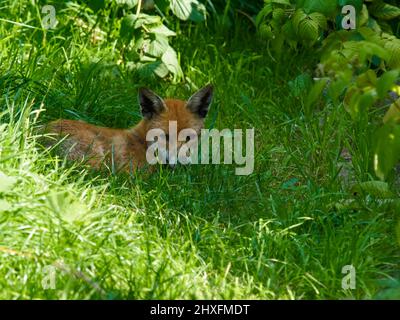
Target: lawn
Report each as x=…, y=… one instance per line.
x=196, y=232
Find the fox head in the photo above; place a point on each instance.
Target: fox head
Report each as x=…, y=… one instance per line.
x=160, y=113
x=188, y=114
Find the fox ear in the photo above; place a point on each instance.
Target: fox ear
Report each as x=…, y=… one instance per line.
x=200, y=101
x=150, y=103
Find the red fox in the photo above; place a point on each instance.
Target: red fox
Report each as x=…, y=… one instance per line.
x=125, y=149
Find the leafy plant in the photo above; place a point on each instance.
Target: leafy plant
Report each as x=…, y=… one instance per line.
x=138, y=29
x=350, y=60
x=144, y=39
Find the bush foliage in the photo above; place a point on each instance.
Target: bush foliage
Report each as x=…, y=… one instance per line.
x=358, y=67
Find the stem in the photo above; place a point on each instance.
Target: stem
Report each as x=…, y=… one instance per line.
x=138, y=8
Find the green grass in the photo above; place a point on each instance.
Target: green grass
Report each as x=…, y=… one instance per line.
x=283, y=232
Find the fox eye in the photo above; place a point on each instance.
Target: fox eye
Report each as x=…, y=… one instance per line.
x=187, y=138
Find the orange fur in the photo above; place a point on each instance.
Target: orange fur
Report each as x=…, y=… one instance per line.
x=125, y=149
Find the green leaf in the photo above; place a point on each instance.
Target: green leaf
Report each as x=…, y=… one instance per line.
x=278, y=15
x=265, y=31
x=170, y=60
x=308, y=30
x=363, y=50
x=66, y=206
x=96, y=5
x=357, y=4
x=161, y=30
x=126, y=30
x=129, y=3
x=327, y=8
x=367, y=80
x=305, y=26
x=370, y=35
x=386, y=82
x=393, y=113
x=363, y=16
x=146, y=70
x=378, y=189
x=188, y=9
x=160, y=69
x=392, y=46
x=265, y=12
x=144, y=19
x=356, y=101
x=6, y=182
x=320, y=19
x=157, y=46
x=384, y=11
x=337, y=86
x=145, y=58
x=350, y=99
x=386, y=149
x=298, y=17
